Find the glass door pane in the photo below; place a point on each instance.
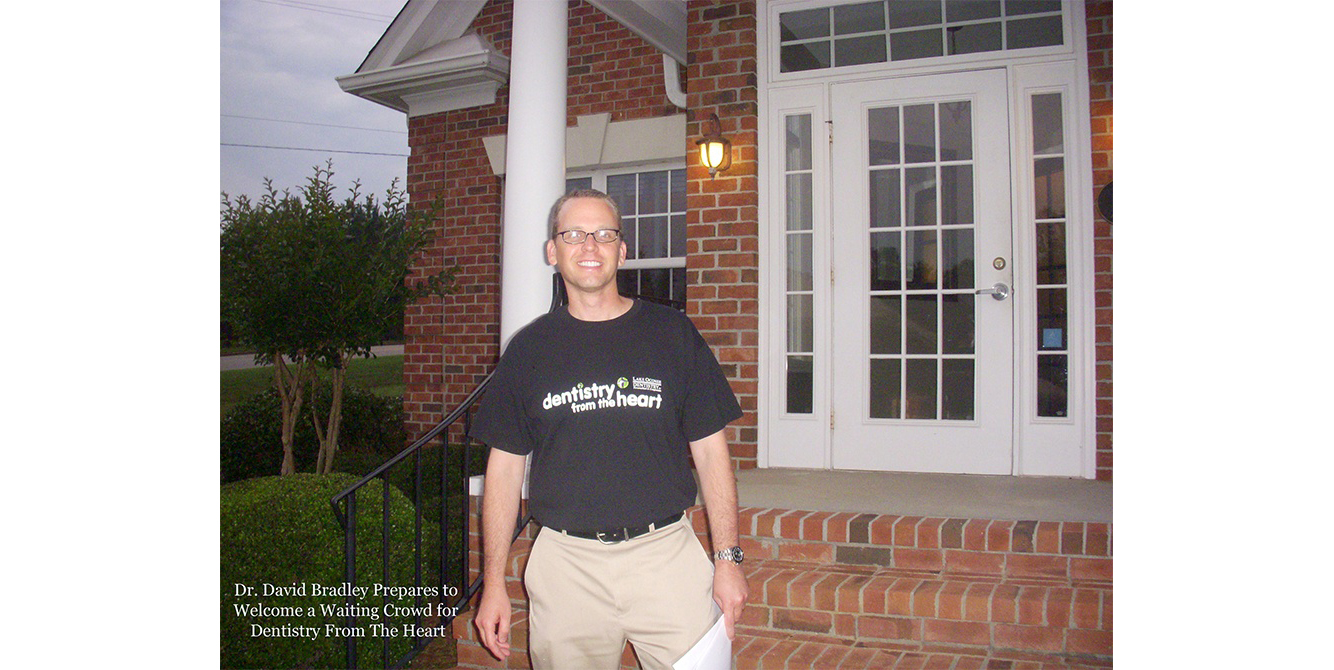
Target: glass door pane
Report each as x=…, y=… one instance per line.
x=921, y=266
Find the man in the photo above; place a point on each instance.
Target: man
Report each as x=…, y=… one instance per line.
x=609, y=395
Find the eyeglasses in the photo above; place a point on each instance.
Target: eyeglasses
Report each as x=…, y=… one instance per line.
x=603, y=236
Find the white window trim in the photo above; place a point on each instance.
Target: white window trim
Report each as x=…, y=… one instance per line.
x=768, y=56
x=599, y=177
x=1034, y=453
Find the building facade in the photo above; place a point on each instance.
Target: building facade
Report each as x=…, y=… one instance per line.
x=904, y=268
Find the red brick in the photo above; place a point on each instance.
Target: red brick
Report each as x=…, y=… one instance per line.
x=998, y=535
x=1032, y=606
x=805, y=655
x=789, y=525
x=888, y=628
x=836, y=527
x=977, y=602
x=975, y=535
x=775, y=589
x=1089, y=642
x=812, y=527
x=1099, y=569
x=1029, y=638
x=905, y=531
x=1087, y=609
x=859, y=659
x=810, y=552
x=803, y=620
x=924, y=599
x=1048, y=538
x=928, y=533
x=1005, y=603
x=956, y=632
x=850, y=594
x=875, y=595
x=825, y=592
x=950, y=600
x=1021, y=565
x=974, y=562
x=919, y=559
x=801, y=592
x=882, y=530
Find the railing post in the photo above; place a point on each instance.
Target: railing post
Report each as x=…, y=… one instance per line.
x=384, y=554
x=465, y=515
x=350, y=561
x=417, y=542
x=444, y=509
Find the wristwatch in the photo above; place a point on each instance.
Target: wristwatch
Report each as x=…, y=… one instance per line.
x=732, y=554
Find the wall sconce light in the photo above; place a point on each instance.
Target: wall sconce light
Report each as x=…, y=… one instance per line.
x=715, y=151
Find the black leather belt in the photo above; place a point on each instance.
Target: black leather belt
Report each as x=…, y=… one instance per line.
x=623, y=534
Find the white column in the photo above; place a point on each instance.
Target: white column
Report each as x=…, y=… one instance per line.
x=534, y=158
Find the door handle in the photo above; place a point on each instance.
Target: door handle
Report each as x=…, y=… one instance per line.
x=999, y=292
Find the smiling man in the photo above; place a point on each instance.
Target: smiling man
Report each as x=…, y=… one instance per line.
x=611, y=397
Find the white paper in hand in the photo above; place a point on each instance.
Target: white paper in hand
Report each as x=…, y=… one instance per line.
x=712, y=652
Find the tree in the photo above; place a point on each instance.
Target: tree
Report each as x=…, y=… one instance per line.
x=311, y=282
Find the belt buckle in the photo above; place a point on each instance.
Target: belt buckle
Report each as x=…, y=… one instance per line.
x=613, y=537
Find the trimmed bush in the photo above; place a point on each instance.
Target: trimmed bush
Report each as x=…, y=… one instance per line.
x=281, y=532
x=251, y=444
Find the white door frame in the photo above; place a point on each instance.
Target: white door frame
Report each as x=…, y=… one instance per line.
x=1047, y=446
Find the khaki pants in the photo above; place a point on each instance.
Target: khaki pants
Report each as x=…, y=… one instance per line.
x=587, y=598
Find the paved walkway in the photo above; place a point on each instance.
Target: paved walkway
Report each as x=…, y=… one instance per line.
x=241, y=361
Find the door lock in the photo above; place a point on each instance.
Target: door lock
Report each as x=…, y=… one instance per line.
x=998, y=292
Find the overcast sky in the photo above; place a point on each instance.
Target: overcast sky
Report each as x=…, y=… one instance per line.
x=279, y=59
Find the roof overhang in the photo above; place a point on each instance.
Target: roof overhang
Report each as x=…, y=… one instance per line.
x=428, y=61
x=661, y=23
x=457, y=74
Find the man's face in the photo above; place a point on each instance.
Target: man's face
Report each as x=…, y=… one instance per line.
x=589, y=266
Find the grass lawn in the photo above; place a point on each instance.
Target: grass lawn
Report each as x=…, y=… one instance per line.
x=382, y=375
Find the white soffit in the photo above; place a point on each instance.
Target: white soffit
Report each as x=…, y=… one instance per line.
x=597, y=142
x=427, y=62
x=461, y=73
x=420, y=25
x=661, y=23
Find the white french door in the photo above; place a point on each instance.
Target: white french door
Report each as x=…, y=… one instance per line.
x=921, y=373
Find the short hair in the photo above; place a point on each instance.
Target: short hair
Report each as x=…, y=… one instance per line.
x=553, y=220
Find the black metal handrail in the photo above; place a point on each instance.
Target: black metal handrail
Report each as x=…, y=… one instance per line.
x=345, y=511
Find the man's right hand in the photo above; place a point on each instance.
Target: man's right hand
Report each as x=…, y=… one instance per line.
x=493, y=620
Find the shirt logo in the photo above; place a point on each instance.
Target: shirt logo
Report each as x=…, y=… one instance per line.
x=583, y=397
x=646, y=384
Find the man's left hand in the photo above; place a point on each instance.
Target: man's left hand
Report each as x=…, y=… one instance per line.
x=731, y=592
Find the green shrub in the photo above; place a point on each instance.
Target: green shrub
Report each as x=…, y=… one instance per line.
x=251, y=444
x=281, y=531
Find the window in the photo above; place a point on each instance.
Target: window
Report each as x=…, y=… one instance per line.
x=1053, y=360
x=798, y=177
x=653, y=223
x=902, y=30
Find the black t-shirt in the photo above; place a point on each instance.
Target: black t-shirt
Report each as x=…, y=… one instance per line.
x=606, y=408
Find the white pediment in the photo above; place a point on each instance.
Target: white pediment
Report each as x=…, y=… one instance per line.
x=429, y=61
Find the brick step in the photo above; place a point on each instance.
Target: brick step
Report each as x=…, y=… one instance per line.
x=762, y=649
x=765, y=649
x=1013, y=550
x=918, y=609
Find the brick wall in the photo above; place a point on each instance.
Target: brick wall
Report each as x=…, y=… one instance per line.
x=1099, y=19
x=451, y=343
x=722, y=224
